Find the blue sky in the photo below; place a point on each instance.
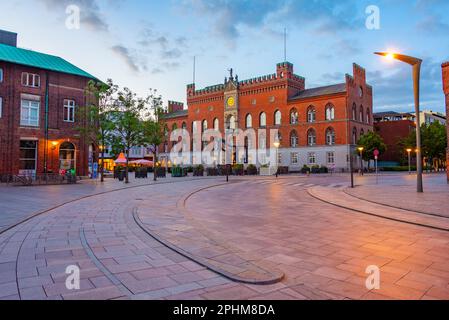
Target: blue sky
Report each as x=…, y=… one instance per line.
x=151, y=44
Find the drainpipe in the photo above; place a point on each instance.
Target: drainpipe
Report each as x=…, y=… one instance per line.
x=46, y=123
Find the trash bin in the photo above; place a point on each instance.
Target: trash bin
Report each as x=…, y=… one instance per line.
x=121, y=175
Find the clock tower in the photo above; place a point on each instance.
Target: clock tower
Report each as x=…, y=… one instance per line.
x=231, y=101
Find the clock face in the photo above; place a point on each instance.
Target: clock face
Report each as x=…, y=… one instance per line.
x=231, y=102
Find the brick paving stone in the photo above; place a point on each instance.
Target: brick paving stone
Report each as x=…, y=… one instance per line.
x=323, y=250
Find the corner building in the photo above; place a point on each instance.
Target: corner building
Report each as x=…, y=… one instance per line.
x=318, y=126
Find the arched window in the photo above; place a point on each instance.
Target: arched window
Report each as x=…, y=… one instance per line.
x=184, y=125
x=354, y=112
x=311, y=137
x=361, y=114
x=174, y=127
x=277, y=118
x=330, y=136
x=311, y=114
x=368, y=116
x=231, y=124
x=249, y=121
x=204, y=125
x=330, y=112
x=216, y=124
x=354, y=136
x=67, y=156
x=294, y=118
x=294, y=139
x=263, y=119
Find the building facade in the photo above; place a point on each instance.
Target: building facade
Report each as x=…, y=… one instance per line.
x=445, y=67
x=39, y=98
x=393, y=127
x=428, y=117
x=318, y=126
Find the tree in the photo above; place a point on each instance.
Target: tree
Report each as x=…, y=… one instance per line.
x=154, y=126
x=433, y=142
x=369, y=142
x=128, y=113
x=98, y=126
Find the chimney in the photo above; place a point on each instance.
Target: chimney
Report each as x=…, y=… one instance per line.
x=8, y=38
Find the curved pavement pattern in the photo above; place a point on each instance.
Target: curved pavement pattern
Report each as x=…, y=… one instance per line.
x=322, y=250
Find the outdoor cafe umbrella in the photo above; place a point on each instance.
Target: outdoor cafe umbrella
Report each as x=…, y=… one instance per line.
x=142, y=162
x=121, y=159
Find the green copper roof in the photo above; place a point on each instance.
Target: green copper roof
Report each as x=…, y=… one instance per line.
x=40, y=60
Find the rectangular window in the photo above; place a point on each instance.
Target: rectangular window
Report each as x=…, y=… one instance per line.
x=69, y=110
x=294, y=158
x=311, y=157
x=28, y=157
x=29, y=113
x=31, y=80
x=1, y=75
x=331, y=157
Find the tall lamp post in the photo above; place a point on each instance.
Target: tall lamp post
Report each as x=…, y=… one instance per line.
x=361, y=159
x=416, y=64
x=277, y=144
x=409, y=151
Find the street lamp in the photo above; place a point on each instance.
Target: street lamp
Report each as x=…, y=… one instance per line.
x=277, y=144
x=361, y=159
x=416, y=64
x=409, y=151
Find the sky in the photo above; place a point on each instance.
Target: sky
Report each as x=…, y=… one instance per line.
x=143, y=44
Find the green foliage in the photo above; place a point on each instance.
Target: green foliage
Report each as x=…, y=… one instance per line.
x=433, y=141
x=96, y=120
x=370, y=142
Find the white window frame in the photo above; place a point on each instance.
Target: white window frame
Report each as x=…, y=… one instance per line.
x=330, y=133
x=311, y=156
x=311, y=138
x=32, y=80
x=311, y=115
x=28, y=121
x=294, y=158
x=249, y=121
x=277, y=118
x=330, y=157
x=263, y=120
x=70, y=105
x=330, y=113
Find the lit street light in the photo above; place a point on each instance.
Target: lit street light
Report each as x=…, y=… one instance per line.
x=361, y=160
x=416, y=64
x=409, y=161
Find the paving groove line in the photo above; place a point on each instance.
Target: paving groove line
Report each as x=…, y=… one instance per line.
x=101, y=266
x=378, y=215
x=201, y=261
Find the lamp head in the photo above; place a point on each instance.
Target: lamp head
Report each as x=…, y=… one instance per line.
x=407, y=59
x=361, y=149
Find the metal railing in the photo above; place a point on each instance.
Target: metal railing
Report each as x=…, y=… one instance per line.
x=39, y=179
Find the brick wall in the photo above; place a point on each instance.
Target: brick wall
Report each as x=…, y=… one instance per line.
x=274, y=92
x=61, y=86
